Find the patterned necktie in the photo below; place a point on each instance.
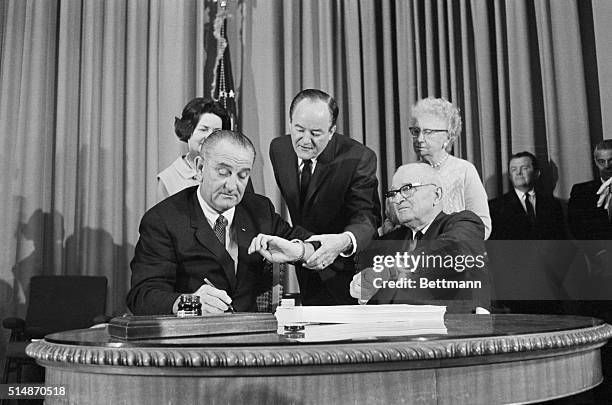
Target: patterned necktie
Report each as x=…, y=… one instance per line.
x=305, y=179
x=220, y=225
x=529, y=208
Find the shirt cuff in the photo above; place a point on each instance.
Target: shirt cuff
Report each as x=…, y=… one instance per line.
x=353, y=248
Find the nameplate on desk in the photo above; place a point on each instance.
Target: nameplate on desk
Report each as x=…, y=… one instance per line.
x=169, y=326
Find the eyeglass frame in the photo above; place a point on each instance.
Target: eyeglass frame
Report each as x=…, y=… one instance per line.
x=411, y=186
x=425, y=131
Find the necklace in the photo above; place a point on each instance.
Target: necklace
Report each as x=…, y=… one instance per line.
x=439, y=163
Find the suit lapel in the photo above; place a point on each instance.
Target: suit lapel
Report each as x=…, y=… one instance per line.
x=288, y=175
x=322, y=168
x=515, y=204
x=245, y=230
x=434, y=229
x=206, y=236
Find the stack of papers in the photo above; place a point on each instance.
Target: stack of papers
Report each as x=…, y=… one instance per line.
x=359, y=314
x=349, y=331
x=342, y=322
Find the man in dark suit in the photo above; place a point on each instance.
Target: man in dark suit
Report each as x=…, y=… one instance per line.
x=591, y=225
x=449, y=248
x=528, y=273
x=588, y=221
x=329, y=184
x=203, y=232
x=525, y=213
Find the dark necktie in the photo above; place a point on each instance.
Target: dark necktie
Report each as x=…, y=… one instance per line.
x=220, y=225
x=305, y=179
x=417, y=236
x=529, y=208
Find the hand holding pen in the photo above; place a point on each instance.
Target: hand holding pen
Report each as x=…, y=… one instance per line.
x=213, y=299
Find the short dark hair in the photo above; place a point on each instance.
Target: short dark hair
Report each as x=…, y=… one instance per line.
x=237, y=138
x=184, y=126
x=316, y=95
x=534, y=160
x=606, y=144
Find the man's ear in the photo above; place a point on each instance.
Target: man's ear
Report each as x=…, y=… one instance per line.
x=199, y=166
x=438, y=198
x=332, y=130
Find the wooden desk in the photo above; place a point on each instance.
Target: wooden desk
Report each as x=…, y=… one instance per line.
x=484, y=359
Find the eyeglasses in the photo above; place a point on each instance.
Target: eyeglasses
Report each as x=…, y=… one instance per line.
x=407, y=190
x=417, y=131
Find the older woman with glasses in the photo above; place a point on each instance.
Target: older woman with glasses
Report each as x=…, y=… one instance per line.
x=436, y=125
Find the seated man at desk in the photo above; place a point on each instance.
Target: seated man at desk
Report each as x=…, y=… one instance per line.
x=196, y=241
x=433, y=258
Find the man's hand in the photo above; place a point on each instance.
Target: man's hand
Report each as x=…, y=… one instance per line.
x=331, y=246
x=276, y=249
x=213, y=301
x=605, y=194
x=362, y=286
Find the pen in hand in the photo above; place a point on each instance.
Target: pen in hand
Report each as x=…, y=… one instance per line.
x=207, y=281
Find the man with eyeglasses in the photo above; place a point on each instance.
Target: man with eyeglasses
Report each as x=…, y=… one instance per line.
x=436, y=126
x=426, y=233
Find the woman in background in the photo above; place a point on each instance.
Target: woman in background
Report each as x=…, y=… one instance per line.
x=437, y=124
x=199, y=119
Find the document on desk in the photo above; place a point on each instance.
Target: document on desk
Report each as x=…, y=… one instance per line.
x=360, y=314
x=353, y=331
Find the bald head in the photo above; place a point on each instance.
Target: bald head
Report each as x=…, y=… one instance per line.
x=419, y=197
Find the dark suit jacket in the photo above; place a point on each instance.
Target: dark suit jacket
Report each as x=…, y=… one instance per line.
x=528, y=272
x=458, y=234
x=177, y=249
x=586, y=220
x=510, y=221
x=342, y=196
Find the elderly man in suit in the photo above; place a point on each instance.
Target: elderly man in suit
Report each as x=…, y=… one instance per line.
x=203, y=232
x=329, y=184
x=444, y=249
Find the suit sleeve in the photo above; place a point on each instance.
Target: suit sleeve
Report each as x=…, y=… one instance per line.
x=446, y=259
x=362, y=201
x=462, y=239
x=465, y=236
x=153, y=269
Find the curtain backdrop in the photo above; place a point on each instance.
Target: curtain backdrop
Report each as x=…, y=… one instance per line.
x=89, y=89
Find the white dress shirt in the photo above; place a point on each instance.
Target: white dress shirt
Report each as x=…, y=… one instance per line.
x=532, y=198
x=231, y=240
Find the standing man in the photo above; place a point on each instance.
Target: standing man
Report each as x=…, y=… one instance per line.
x=528, y=273
x=329, y=184
x=525, y=213
x=588, y=221
x=591, y=224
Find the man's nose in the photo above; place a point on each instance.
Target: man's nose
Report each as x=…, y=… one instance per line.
x=307, y=137
x=231, y=183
